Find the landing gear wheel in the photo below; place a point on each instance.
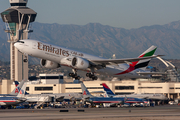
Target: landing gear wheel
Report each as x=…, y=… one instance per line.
x=77, y=78
x=91, y=75
x=94, y=77
x=74, y=75
x=70, y=74
x=25, y=60
x=88, y=74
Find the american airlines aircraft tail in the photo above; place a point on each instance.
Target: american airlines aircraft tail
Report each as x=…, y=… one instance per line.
x=16, y=83
x=18, y=88
x=22, y=90
x=13, y=99
x=85, y=91
x=54, y=56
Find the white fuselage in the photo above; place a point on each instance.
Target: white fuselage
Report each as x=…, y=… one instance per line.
x=56, y=54
x=143, y=96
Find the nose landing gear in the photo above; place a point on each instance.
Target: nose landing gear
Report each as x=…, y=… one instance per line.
x=25, y=58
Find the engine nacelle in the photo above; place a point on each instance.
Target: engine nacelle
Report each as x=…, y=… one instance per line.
x=49, y=64
x=80, y=63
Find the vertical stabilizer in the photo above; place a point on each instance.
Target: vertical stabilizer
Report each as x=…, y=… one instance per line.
x=17, y=88
x=16, y=83
x=109, y=93
x=85, y=92
x=22, y=90
x=144, y=63
x=141, y=64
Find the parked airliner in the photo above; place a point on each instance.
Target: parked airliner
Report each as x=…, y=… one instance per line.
x=16, y=90
x=13, y=100
x=54, y=56
x=151, y=96
x=87, y=97
x=58, y=97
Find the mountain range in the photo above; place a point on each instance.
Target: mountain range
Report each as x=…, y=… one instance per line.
x=104, y=40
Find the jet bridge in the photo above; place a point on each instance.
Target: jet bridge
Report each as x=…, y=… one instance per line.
x=172, y=73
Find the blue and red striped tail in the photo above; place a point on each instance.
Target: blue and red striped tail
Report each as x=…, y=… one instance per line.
x=107, y=89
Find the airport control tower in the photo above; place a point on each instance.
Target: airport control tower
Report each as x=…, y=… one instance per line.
x=17, y=19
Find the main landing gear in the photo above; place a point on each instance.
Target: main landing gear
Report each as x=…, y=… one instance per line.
x=91, y=75
x=74, y=75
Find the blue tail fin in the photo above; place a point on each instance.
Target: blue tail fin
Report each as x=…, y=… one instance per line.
x=107, y=89
x=16, y=83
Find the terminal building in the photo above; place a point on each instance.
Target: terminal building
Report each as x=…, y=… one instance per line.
x=54, y=83
x=51, y=78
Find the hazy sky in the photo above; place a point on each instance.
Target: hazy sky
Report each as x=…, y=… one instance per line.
x=117, y=13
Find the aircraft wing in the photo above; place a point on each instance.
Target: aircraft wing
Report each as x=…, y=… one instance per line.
x=86, y=97
x=60, y=99
x=146, y=98
x=118, y=61
x=151, y=73
x=97, y=92
x=4, y=95
x=20, y=99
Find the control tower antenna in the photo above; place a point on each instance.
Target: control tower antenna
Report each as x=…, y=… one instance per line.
x=17, y=19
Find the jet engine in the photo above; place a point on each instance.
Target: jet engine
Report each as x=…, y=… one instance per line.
x=80, y=63
x=49, y=64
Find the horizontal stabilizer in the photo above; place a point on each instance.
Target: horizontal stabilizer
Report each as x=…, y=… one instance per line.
x=151, y=73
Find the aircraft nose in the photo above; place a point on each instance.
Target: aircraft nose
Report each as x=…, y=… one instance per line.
x=16, y=44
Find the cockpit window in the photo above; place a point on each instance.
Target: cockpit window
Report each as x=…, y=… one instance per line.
x=21, y=41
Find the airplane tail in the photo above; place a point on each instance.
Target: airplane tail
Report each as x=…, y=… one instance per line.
x=23, y=89
x=85, y=91
x=144, y=63
x=108, y=90
x=16, y=83
x=18, y=87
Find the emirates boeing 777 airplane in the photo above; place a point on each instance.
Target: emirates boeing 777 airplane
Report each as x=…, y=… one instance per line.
x=54, y=56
